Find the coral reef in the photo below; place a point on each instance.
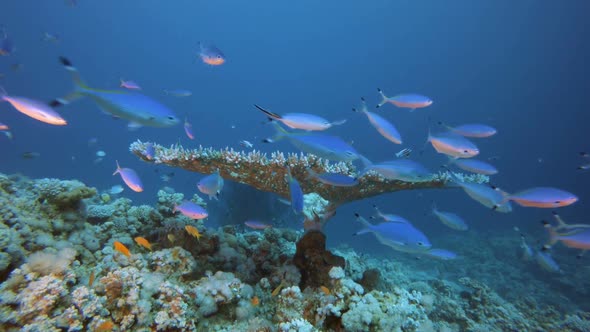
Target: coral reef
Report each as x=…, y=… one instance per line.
x=62, y=273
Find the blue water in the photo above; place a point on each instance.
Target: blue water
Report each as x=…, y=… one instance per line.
x=518, y=66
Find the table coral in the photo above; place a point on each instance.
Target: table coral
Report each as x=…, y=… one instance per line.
x=267, y=173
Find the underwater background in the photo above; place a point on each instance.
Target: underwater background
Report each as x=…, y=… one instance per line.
x=521, y=67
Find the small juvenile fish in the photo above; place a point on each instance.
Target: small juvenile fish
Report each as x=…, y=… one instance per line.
x=50, y=37
x=403, y=153
x=410, y=100
x=472, y=130
x=116, y=189
x=277, y=290
x=474, y=166
x=441, y=254
x=193, y=231
x=191, y=210
x=325, y=290
x=167, y=177
x=35, y=109
x=295, y=192
x=543, y=197
x=100, y=153
x=453, y=145
x=246, y=144
x=177, y=93
x=254, y=224
x=91, y=278
x=128, y=84
x=255, y=301
x=150, y=151
x=31, y=155
x=333, y=179
x=143, y=242
x=171, y=237
x=302, y=121
x=211, y=55
x=211, y=185
x=188, y=129
x=450, y=219
x=120, y=247
x=130, y=178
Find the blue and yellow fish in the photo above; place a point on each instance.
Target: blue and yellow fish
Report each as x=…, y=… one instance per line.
x=138, y=109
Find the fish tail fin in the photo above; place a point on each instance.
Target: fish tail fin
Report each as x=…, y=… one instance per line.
x=442, y=123
x=74, y=71
x=366, y=162
x=363, y=107
x=366, y=165
x=3, y=92
x=271, y=115
x=505, y=198
x=80, y=85
x=553, y=236
x=433, y=207
x=428, y=136
x=378, y=211
x=311, y=174
x=384, y=98
x=281, y=133
x=367, y=226
x=452, y=176
x=560, y=222
x=118, y=168
x=289, y=175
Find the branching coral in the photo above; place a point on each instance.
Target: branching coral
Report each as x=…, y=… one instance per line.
x=267, y=173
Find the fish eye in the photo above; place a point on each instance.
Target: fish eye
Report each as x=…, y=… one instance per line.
x=557, y=202
x=420, y=243
x=170, y=118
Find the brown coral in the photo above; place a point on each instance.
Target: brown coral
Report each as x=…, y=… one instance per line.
x=268, y=174
x=314, y=261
